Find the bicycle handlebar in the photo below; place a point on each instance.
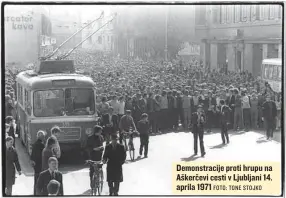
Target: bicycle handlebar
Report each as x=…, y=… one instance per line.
x=93, y=162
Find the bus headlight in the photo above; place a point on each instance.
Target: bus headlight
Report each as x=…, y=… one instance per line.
x=88, y=131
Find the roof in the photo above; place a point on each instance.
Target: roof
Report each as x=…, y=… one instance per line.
x=272, y=61
x=45, y=81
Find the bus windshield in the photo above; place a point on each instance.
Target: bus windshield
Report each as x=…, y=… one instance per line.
x=60, y=102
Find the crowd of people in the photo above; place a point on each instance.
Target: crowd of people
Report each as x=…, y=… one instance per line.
x=151, y=97
x=172, y=91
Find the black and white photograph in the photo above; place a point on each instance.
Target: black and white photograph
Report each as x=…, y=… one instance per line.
x=101, y=99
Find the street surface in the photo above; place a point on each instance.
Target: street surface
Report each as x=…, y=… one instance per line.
x=152, y=176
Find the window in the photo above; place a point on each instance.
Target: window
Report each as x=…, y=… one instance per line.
x=48, y=103
x=216, y=14
x=264, y=12
x=243, y=13
x=279, y=72
x=280, y=12
x=270, y=67
x=223, y=11
x=257, y=12
x=20, y=94
x=237, y=13
x=99, y=39
x=90, y=40
x=275, y=77
x=58, y=102
x=79, y=101
x=28, y=102
x=272, y=11
x=253, y=12
x=266, y=71
x=229, y=12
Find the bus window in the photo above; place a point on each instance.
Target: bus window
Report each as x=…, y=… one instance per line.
x=20, y=94
x=274, y=73
x=79, y=101
x=28, y=102
x=270, y=72
x=279, y=72
x=48, y=103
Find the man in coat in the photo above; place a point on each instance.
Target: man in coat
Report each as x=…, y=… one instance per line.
x=36, y=156
x=198, y=120
x=225, y=113
x=115, y=156
x=269, y=116
x=209, y=106
x=12, y=161
x=46, y=176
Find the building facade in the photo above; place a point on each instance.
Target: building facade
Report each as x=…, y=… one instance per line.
x=65, y=22
x=103, y=39
x=25, y=26
x=239, y=36
x=147, y=31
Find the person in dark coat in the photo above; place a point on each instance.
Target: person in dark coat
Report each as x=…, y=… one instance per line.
x=231, y=104
x=209, y=104
x=269, y=116
x=11, y=131
x=94, y=148
x=171, y=110
x=46, y=176
x=107, y=127
x=224, y=113
x=115, y=156
x=48, y=152
x=151, y=111
x=12, y=161
x=198, y=120
x=36, y=156
x=143, y=129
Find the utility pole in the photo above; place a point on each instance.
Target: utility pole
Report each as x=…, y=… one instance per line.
x=166, y=34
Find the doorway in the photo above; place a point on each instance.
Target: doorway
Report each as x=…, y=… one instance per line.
x=238, y=60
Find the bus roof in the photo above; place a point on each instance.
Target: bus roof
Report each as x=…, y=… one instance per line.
x=45, y=81
x=272, y=61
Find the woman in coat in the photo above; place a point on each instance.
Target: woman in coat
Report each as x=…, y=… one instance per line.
x=48, y=152
x=11, y=162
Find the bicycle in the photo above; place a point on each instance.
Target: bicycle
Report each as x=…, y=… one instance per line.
x=97, y=178
x=130, y=146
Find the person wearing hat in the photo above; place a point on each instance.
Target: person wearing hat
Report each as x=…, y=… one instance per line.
x=198, y=120
x=269, y=116
x=115, y=156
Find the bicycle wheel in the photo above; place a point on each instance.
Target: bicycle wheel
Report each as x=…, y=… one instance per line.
x=100, y=183
x=131, y=151
x=95, y=185
x=125, y=145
